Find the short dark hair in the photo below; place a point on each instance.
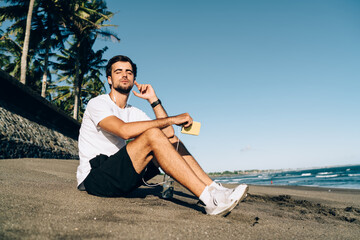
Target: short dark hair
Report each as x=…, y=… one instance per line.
x=120, y=58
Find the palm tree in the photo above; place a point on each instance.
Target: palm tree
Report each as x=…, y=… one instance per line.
x=93, y=86
x=12, y=39
x=10, y=52
x=4, y=59
x=62, y=92
x=53, y=21
x=46, y=18
x=21, y=50
x=85, y=23
x=26, y=43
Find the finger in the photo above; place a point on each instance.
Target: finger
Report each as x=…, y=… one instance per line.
x=189, y=122
x=187, y=125
x=143, y=88
x=136, y=94
x=138, y=85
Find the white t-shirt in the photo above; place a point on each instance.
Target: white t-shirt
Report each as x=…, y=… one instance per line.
x=93, y=140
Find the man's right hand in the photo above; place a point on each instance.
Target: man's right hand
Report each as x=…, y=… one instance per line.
x=183, y=120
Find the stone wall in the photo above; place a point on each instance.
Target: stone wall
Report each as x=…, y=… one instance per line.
x=31, y=127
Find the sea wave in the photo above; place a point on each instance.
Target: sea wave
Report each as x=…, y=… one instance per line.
x=340, y=177
x=237, y=179
x=327, y=176
x=305, y=174
x=293, y=182
x=353, y=175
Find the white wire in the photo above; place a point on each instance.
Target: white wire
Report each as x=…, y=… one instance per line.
x=178, y=136
x=128, y=99
x=152, y=185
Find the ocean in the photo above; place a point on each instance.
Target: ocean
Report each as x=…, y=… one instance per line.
x=328, y=177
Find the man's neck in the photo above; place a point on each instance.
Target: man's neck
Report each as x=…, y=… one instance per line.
x=120, y=99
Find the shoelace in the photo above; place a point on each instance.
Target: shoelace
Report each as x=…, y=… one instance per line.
x=215, y=201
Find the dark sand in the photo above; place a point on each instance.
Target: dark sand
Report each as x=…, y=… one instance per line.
x=39, y=200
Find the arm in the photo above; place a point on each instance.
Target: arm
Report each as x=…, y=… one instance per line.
x=161, y=113
x=147, y=92
x=124, y=130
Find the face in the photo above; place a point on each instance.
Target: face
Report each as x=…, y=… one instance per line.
x=122, y=77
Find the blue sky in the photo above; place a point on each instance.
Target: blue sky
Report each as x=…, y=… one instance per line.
x=275, y=84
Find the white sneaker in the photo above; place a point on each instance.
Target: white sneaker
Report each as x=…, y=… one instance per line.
x=239, y=193
x=219, y=205
x=217, y=185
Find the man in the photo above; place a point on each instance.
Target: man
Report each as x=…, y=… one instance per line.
x=109, y=167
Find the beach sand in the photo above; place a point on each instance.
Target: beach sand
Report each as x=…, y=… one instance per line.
x=39, y=200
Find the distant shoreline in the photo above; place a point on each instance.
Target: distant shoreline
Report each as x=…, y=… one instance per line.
x=257, y=171
x=344, y=177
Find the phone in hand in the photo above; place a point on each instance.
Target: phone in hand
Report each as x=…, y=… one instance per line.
x=194, y=129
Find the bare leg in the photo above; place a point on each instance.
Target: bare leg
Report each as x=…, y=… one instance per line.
x=191, y=161
x=153, y=140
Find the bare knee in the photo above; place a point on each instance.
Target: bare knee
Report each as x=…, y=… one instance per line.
x=154, y=135
x=155, y=138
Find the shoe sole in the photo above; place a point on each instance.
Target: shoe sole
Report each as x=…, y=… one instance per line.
x=245, y=194
x=227, y=211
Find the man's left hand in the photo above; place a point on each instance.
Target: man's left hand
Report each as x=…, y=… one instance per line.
x=146, y=92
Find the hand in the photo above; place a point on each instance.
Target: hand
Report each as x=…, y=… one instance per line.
x=145, y=92
x=183, y=120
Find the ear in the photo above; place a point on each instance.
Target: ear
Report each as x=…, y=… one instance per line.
x=109, y=80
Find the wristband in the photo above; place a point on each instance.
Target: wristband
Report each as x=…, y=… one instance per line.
x=154, y=104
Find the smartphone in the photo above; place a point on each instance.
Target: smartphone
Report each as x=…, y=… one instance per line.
x=194, y=129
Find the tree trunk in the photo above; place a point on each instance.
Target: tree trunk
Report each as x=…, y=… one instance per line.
x=76, y=90
x=26, y=43
x=44, y=79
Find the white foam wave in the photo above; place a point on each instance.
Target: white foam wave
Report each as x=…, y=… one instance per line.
x=327, y=176
x=354, y=175
x=324, y=173
x=305, y=174
x=221, y=180
x=237, y=179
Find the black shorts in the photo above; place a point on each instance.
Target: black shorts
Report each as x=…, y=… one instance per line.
x=115, y=176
